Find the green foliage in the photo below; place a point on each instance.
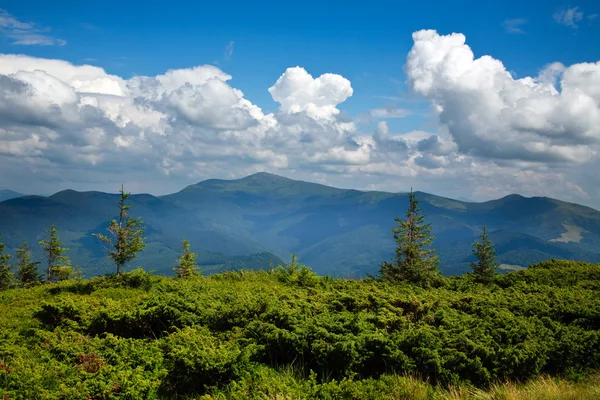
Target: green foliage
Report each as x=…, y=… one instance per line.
x=415, y=261
x=485, y=267
x=296, y=274
x=6, y=277
x=59, y=265
x=27, y=270
x=268, y=334
x=127, y=240
x=186, y=264
x=197, y=360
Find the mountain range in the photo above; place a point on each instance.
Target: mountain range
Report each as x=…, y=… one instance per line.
x=260, y=220
x=9, y=194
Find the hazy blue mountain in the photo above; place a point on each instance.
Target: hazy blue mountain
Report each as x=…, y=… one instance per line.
x=264, y=218
x=9, y=194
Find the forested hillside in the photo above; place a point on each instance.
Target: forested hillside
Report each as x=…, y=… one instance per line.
x=335, y=231
x=286, y=333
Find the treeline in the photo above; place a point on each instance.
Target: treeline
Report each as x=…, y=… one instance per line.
x=415, y=260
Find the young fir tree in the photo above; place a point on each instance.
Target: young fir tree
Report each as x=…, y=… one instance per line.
x=186, y=264
x=27, y=270
x=127, y=240
x=59, y=266
x=6, y=277
x=415, y=261
x=485, y=267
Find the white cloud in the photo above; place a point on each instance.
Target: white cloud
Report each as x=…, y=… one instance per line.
x=228, y=51
x=297, y=91
x=65, y=125
x=568, y=17
x=514, y=25
x=490, y=114
x=26, y=33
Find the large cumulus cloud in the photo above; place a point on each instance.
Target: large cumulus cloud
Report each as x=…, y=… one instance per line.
x=554, y=117
x=65, y=125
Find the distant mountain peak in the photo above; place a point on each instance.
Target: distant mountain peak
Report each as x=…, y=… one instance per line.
x=513, y=196
x=266, y=177
x=6, y=194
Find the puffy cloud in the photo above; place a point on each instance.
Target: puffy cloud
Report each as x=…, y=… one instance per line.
x=491, y=114
x=84, y=78
x=76, y=126
x=185, y=124
x=297, y=91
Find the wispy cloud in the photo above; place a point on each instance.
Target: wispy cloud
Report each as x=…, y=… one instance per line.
x=26, y=33
x=228, y=51
x=514, y=26
x=87, y=26
x=568, y=17
x=391, y=98
x=592, y=17
x=390, y=112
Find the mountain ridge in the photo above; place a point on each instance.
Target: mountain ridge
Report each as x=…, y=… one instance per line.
x=338, y=231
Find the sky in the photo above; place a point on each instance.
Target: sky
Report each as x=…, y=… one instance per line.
x=467, y=100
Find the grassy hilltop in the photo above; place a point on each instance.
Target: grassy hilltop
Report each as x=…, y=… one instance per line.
x=289, y=334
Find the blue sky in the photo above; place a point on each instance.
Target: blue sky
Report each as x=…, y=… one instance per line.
x=366, y=43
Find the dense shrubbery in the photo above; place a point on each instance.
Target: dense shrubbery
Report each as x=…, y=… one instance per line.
x=288, y=332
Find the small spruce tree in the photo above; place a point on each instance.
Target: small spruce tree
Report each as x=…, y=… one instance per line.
x=127, y=240
x=485, y=267
x=6, y=277
x=186, y=263
x=27, y=270
x=414, y=261
x=59, y=266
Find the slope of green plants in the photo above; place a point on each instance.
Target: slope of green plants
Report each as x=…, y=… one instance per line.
x=287, y=333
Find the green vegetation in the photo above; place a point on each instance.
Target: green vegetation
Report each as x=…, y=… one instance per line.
x=127, y=234
x=186, y=264
x=59, y=266
x=485, y=269
x=27, y=270
x=415, y=261
x=286, y=333
x=6, y=277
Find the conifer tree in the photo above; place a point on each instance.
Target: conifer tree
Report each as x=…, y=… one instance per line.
x=27, y=270
x=127, y=240
x=186, y=264
x=59, y=266
x=414, y=261
x=485, y=267
x=6, y=277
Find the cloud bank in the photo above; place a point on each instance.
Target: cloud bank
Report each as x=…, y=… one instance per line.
x=65, y=125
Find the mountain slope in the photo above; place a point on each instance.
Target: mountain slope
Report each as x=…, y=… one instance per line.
x=335, y=231
x=78, y=215
x=9, y=194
